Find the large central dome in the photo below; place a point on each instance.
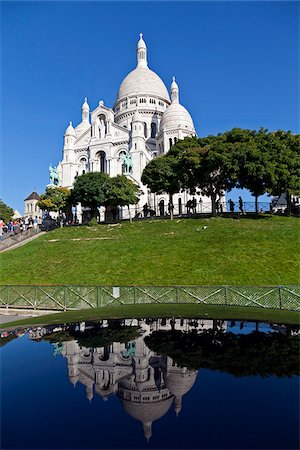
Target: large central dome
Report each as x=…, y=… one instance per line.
x=142, y=80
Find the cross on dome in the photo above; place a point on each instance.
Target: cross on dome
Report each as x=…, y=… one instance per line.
x=142, y=52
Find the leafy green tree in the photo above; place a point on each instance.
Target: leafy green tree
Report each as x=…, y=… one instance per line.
x=55, y=199
x=90, y=189
x=212, y=168
x=121, y=192
x=161, y=175
x=285, y=152
x=6, y=212
x=252, y=157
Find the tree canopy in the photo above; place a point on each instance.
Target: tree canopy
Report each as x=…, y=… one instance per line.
x=97, y=189
x=161, y=175
x=55, y=199
x=90, y=190
x=6, y=212
x=260, y=161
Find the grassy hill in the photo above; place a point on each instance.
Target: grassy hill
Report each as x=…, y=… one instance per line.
x=160, y=252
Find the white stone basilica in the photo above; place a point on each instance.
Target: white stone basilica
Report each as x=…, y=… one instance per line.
x=143, y=123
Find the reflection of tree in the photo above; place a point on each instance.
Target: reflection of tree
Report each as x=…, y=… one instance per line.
x=240, y=355
x=94, y=338
x=7, y=339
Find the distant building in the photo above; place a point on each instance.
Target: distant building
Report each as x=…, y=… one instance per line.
x=30, y=205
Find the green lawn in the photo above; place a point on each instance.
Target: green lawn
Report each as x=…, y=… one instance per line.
x=161, y=252
x=162, y=310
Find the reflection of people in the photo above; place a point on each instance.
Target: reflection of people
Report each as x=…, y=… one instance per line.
x=231, y=205
x=241, y=205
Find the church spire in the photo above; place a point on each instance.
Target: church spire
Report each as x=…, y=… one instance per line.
x=174, y=91
x=85, y=111
x=142, y=52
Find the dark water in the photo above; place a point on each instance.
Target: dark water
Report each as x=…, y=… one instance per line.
x=198, y=384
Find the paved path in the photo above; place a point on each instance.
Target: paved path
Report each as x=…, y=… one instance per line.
x=19, y=244
x=8, y=318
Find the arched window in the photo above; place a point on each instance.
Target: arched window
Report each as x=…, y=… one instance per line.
x=121, y=158
x=170, y=142
x=102, y=162
x=175, y=140
x=145, y=129
x=153, y=130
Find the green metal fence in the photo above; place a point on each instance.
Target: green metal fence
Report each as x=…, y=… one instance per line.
x=71, y=297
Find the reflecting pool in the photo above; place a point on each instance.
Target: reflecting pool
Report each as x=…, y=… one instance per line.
x=153, y=383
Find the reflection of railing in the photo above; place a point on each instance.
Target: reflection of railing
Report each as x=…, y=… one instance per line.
x=68, y=297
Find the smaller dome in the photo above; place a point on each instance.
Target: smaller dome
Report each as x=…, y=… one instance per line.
x=180, y=383
x=176, y=116
x=70, y=130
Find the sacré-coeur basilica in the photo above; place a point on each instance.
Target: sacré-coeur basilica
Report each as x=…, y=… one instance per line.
x=144, y=122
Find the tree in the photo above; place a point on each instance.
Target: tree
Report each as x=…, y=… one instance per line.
x=6, y=212
x=256, y=168
x=90, y=189
x=55, y=199
x=285, y=152
x=161, y=175
x=209, y=167
x=121, y=192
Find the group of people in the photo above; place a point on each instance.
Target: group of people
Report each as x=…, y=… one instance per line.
x=232, y=205
x=17, y=226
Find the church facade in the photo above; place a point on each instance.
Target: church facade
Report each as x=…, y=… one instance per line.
x=144, y=122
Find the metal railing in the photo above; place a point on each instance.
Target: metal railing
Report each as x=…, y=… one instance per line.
x=73, y=297
x=138, y=212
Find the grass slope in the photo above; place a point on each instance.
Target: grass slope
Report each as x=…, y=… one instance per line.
x=162, y=310
x=161, y=252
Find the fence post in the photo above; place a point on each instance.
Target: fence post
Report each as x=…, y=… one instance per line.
x=226, y=295
x=65, y=298
x=8, y=296
x=35, y=299
x=280, y=297
x=98, y=297
x=134, y=294
x=177, y=294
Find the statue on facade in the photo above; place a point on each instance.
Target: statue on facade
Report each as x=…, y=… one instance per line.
x=53, y=173
x=127, y=162
x=102, y=129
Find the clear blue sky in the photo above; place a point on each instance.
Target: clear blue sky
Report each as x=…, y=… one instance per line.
x=236, y=63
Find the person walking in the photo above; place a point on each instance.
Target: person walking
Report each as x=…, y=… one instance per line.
x=145, y=209
x=231, y=206
x=241, y=205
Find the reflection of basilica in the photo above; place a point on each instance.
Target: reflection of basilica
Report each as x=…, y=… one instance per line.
x=147, y=383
